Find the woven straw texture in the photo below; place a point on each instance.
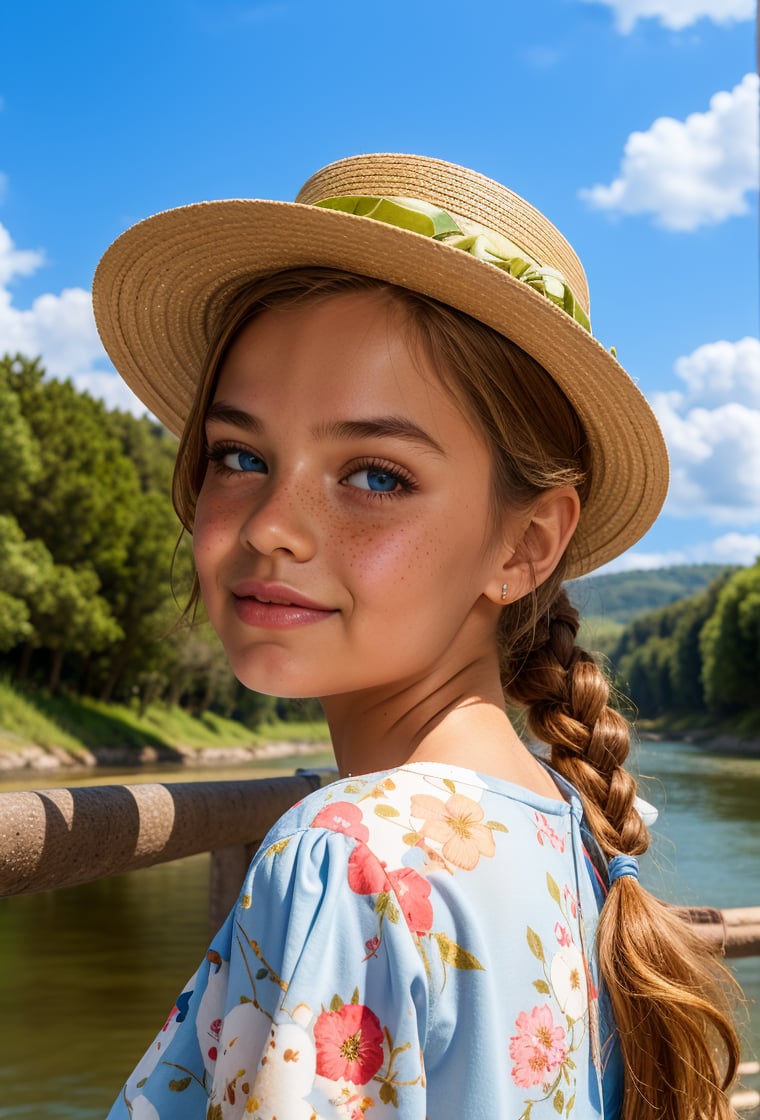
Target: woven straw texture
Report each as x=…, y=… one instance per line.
x=160, y=288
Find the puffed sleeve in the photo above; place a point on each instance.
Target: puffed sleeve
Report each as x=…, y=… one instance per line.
x=312, y=1001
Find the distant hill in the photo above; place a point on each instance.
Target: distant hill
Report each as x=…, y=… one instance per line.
x=618, y=597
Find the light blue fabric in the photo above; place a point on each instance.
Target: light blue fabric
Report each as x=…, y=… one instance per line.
x=620, y=866
x=410, y=944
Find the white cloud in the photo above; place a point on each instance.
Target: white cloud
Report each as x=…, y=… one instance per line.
x=60, y=329
x=693, y=172
x=720, y=372
x=13, y=261
x=712, y=429
x=109, y=387
x=677, y=14
x=730, y=548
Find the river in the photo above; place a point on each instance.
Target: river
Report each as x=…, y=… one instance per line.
x=90, y=972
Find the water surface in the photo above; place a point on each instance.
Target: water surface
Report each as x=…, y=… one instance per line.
x=89, y=973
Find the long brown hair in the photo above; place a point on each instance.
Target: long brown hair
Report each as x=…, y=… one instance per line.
x=669, y=994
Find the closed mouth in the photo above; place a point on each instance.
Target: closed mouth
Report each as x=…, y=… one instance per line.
x=277, y=595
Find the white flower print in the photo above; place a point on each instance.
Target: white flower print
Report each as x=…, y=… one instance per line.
x=568, y=977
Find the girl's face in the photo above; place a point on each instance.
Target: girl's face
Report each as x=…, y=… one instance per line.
x=344, y=537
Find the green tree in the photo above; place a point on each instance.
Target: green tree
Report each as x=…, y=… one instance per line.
x=686, y=666
x=15, y=624
x=647, y=675
x=20, y=465
x=84, y=498
x=23, y=568
x=73, y=618
x=730, y=646
x=141, y=598
x=645, y=656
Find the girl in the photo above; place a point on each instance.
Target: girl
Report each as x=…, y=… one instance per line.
x=397, y=439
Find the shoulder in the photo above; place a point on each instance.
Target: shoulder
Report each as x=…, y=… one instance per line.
x=348, y=813
x=446, y=817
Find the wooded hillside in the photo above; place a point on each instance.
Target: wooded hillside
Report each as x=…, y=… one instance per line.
x=91, y=576
x=92, y=580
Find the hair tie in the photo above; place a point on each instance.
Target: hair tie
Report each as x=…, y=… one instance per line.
x=620, y=866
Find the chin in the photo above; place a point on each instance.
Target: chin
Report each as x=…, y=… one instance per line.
x=257, y=676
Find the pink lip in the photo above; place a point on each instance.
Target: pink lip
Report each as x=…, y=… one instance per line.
x=275, y=606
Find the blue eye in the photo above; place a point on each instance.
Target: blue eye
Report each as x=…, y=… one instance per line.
x=376, y=479
x=244, y=462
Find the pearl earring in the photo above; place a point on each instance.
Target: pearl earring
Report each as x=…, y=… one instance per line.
x=504, y=588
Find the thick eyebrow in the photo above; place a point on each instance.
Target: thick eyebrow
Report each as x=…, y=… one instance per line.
x=382, y=427
x=225, y=414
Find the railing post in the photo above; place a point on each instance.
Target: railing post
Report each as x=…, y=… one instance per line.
x=229, y=865
x=226, y=873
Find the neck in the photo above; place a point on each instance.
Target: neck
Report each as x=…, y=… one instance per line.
x=457, y=718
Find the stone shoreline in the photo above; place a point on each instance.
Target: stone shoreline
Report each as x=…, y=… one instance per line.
x=720, y=743
x=30, y=756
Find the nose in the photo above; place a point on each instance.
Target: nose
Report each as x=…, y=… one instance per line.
x=282, y=520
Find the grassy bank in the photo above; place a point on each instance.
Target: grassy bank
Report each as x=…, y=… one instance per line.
x=81, y=728
x=701, y=726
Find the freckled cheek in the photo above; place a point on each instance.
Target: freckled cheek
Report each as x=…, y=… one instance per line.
x=214, y=532
x=401, y=558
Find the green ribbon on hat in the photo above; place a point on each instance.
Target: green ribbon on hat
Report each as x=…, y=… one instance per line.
x=420, y=217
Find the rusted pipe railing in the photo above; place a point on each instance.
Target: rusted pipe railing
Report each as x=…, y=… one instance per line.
x=732, y=933
x=62, y=837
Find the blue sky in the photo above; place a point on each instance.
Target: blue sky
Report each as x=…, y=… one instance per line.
x=631, y=123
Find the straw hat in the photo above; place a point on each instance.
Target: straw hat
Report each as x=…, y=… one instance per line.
x=421, y=223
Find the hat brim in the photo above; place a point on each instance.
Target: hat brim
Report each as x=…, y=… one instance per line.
x=160, y=289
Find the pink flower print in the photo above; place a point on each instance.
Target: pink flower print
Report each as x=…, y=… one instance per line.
x=371, y=946
x=366, y=874
x=545, y=830
x=538, y=1048
x=593, y=991
x=562, y=933
x=342, y=816
x=349, y=1044
x=455, y=824
x=570, y=900
x=413, y=894
x=215, y=1029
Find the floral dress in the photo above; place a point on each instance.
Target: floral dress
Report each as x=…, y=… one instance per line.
x=411, y=944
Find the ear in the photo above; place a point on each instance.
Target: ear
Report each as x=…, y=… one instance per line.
x=535, y=544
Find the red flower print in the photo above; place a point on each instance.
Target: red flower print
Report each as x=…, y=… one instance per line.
x=537, y=1049
x=366, y=874
x=413, y=894
x=349, y=1044
x=342, y=816
x=545, y=830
